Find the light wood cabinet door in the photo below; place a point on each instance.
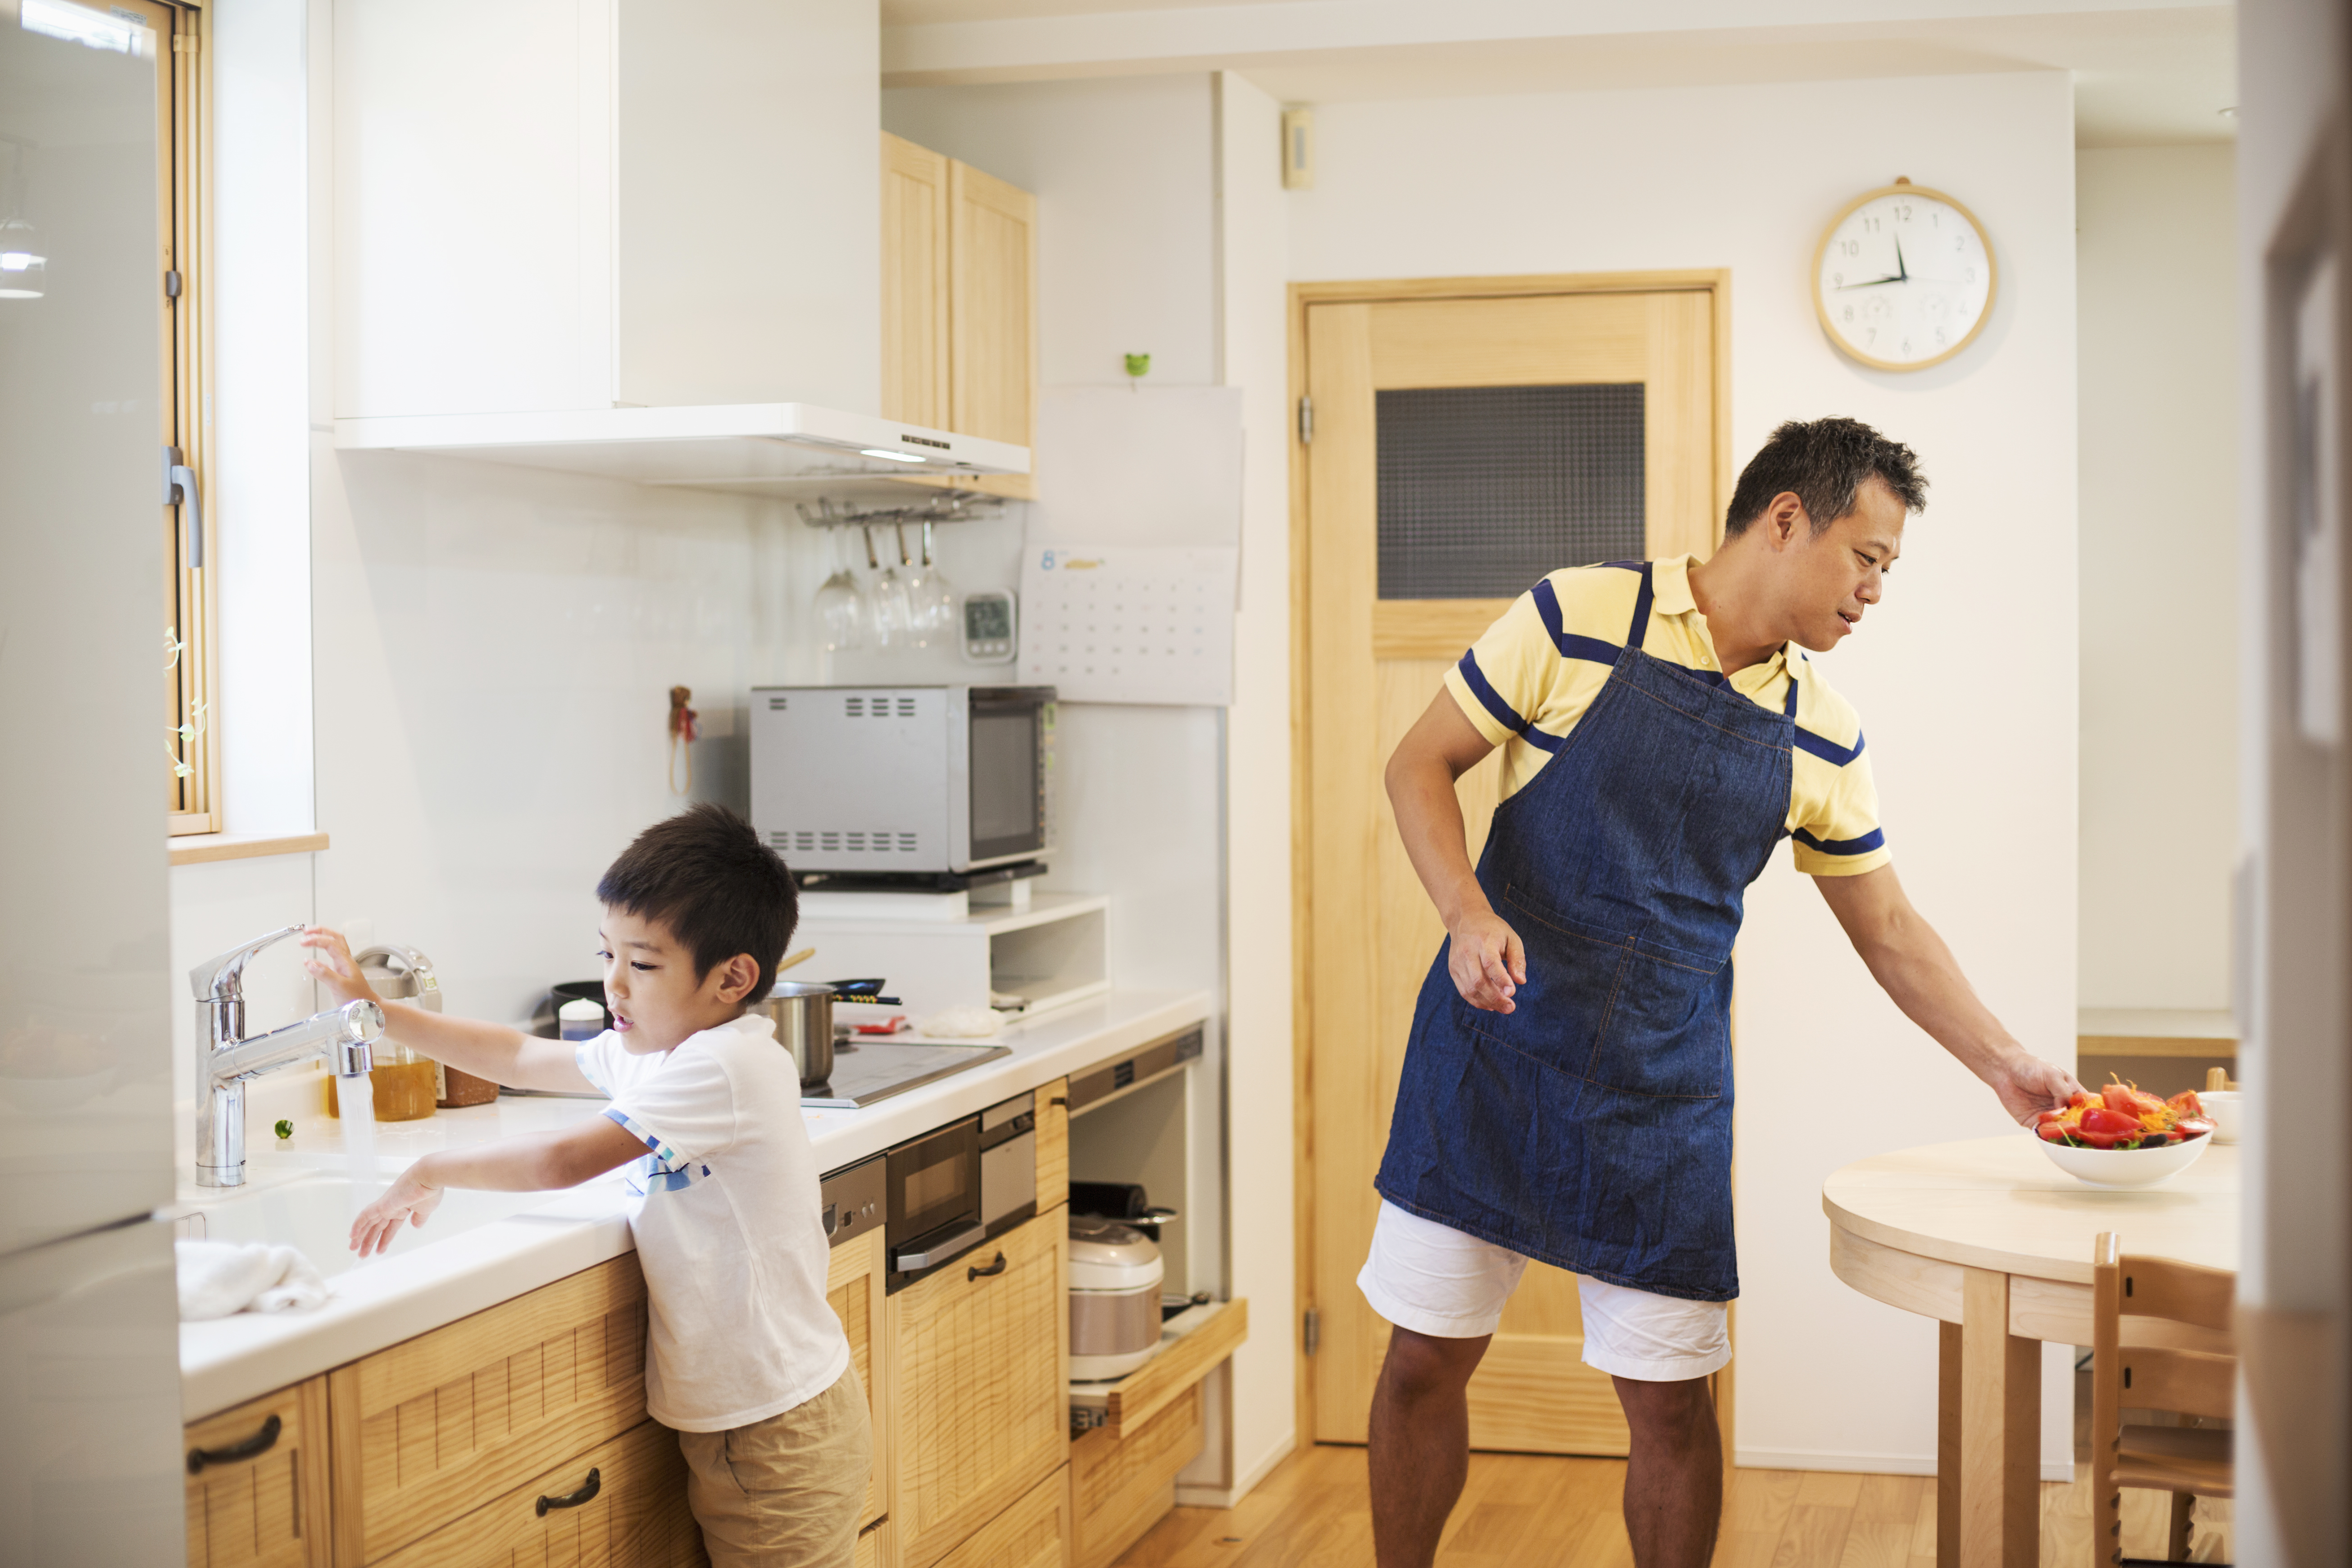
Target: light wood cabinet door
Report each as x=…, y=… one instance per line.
x=914, y=283
x=979, y=1353
x=1122, y=1486
x=992, y=314
x=1054, y=1144
x=1034, y=1532
x=257, y=1487
x=854, y=1288
x=620, y=1505
x=436, y=1427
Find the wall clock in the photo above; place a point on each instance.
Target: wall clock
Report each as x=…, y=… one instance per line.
x=1904, y=277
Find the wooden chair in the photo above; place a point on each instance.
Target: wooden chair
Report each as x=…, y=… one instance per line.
x=2162, y=1341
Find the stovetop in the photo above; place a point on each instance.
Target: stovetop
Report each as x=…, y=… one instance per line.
x=868, y=1069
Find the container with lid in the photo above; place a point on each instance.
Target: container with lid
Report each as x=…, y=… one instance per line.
x=1115, y=1274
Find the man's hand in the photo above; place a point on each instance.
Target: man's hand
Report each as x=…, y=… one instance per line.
x=2028, y=1086
x=1486, y=960
x=334, y=967
x=409, y=1199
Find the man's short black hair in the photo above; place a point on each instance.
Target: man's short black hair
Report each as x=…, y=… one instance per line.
x=1825, y=463
x=705, y=875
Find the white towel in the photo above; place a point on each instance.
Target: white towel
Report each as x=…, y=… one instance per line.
x=221, y=1277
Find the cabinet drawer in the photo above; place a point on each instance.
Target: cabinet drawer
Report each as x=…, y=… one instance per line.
x=853, y=1289
x=622, y=1503
x=979, y=1385
x=1122, y=1486
x=1034, y=1532
x=257, y=1492
x=435, y=1427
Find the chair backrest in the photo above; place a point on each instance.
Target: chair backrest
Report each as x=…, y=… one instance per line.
x=2161, y=1339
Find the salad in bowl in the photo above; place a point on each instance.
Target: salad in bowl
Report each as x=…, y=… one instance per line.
x=2125, y=1137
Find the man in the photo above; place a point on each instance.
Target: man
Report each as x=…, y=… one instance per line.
x=1567, y=1091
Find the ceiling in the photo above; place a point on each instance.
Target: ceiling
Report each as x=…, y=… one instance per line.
x=2145, y=73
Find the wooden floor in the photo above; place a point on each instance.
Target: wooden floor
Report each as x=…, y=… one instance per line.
x=1530, y=1508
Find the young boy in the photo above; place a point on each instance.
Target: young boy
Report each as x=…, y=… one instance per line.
x=747, y=1362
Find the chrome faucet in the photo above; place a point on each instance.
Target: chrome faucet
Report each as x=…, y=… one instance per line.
x=226, y=1058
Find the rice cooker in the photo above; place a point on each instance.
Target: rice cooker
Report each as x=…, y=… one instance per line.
x=1114, y=1272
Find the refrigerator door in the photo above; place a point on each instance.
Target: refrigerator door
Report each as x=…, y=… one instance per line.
x=86, y=1134
x=90, y=1468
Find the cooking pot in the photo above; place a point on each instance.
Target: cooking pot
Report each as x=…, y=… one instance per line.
x=803, y=1018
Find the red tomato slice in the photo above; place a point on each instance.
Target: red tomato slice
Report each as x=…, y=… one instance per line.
x=2119, y=1096
x=2104, y=1140
x=2109, y=1119
x=2186, y=1105
x=2193, y=1127
x=2052, y=1131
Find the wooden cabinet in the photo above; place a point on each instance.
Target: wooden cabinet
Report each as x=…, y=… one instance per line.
x=433, y=1429
x=621, y=1504
x=853, y=1289
x=1121, y=1486
x=979, y=1355
x=1052, y=1144
x=257, y=1488
x=958, y=302
x=1034, y=1532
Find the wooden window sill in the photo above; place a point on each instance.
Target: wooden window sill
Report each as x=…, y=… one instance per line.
x=195, y=849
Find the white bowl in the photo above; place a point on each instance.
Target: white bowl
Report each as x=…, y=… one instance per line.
x=2126, y=1167
x=2226, y=1108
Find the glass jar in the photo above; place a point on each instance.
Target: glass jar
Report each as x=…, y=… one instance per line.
x=405, y=1083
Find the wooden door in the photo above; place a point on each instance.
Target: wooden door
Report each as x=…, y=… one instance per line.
x=914, y=283
x=992, y=316
x=979, y=1369
x=1373, y=665
x=257, y=1488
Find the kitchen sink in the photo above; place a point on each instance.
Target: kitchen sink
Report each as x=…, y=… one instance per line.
x=315, y=1213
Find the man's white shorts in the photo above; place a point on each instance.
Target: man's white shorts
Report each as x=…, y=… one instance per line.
x=1435, y=1280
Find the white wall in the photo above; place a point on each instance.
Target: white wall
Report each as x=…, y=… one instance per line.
x=1966, y=678
x=2159, y=454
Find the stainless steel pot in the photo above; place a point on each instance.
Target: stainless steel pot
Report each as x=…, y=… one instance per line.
x=804, y=1015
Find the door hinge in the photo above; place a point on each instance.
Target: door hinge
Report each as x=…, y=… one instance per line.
x=1306, y=421
x=172, y=283
x=1311, y=1335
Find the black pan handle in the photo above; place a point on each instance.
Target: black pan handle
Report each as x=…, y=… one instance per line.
x=990, y=1272
x=261, y=1442
x=574, y=1499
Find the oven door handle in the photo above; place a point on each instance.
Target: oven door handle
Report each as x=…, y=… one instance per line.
x=936, y=1252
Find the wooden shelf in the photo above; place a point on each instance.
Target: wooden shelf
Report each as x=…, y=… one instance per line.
x=2180, y=1032
x=196, y=849
x=1187, y=1355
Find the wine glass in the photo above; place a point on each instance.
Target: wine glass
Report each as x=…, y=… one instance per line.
x=887, y=598
x=930, y=593
x=841, y=611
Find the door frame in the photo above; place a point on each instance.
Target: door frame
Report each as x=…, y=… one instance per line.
x=1715, y=282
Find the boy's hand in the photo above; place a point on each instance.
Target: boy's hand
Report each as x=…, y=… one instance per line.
x=409, y=1198
x=334, y=966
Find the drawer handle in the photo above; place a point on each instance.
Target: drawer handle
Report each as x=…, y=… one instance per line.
x=990, y=1272
x=261, y=1442
x=574, y=1499
x=1061, y=1100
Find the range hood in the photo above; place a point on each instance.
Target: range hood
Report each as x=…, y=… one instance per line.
x=783, y=449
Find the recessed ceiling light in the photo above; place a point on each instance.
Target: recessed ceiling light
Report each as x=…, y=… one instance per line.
x=894, y=457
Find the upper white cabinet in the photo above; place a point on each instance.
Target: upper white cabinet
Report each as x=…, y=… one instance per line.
x=547, y=205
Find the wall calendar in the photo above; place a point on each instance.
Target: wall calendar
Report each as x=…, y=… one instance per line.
x=1128, y=623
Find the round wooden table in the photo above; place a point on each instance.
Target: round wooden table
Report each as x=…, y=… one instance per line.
x=1992, y=1240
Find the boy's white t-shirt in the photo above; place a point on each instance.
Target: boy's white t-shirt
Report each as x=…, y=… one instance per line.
x=727, y=1225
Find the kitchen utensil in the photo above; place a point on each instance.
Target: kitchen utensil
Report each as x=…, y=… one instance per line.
x=1120, y=1201
x=1114, y=1275
x=803, y=1018
x=2126, y=1167
x=792, y=959
x=930, y=597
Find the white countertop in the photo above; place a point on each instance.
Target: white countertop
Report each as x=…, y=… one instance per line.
x=227, y=1361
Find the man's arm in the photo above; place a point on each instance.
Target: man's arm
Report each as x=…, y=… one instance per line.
x=1912, y=965
x=1485, y=958
x=493, y=1051
x=536, y=1161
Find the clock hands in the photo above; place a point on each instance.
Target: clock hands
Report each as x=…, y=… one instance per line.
x=1902, y=273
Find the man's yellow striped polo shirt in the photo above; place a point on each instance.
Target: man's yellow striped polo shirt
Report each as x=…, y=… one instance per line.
x=1524, y=691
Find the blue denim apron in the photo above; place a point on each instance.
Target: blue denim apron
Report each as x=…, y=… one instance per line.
x=1591, y=1128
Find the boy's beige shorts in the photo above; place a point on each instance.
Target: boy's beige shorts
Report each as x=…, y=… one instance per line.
x=785, y=1492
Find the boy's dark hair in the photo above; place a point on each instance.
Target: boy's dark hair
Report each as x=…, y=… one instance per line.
x=1825, y=463
x=705, y=875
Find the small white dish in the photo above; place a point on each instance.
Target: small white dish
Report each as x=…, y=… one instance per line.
x=2226, y=1109
x=2125, y=1167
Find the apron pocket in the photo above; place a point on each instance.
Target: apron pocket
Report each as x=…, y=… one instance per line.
x=1668, y=1033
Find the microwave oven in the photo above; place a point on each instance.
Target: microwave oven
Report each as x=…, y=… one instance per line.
x=927, y=780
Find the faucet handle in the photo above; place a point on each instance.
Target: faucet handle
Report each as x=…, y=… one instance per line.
x=222, y=977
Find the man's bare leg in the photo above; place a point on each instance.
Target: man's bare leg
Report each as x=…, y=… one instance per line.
x=1673, y=1476
x=1420, y=1443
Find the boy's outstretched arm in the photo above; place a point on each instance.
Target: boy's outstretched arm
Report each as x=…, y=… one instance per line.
x=536, y=1161
x=1912, y=965
x=493, y=1051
